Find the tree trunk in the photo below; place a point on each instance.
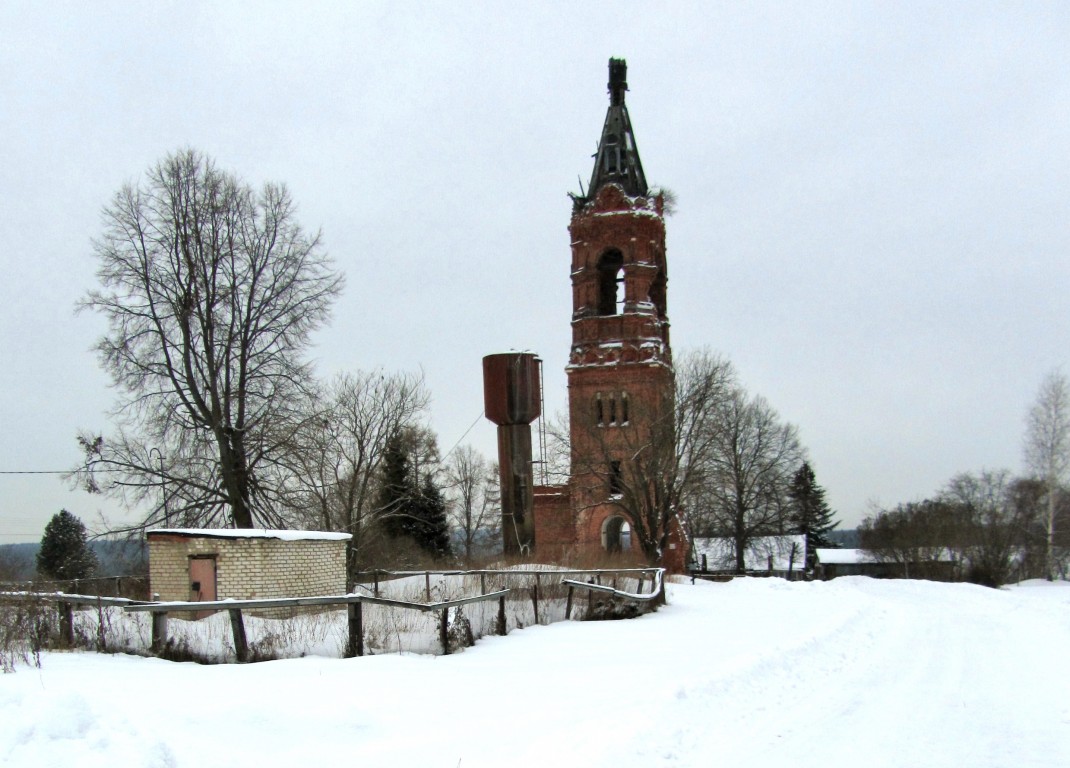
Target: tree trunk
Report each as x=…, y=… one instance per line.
x=1049, y=555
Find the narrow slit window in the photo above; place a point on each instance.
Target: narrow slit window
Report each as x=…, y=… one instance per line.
x=616, y=479
x=623, y=408
x=612, y=411
x=598, y=412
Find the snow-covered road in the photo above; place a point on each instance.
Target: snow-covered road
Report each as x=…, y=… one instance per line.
x=756, y=672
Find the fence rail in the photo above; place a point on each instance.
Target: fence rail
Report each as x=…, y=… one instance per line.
x=353, y=603
x=543, y=580
x=66, y=604
x=109, y=586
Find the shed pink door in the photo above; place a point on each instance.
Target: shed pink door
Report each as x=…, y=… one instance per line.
x=202, y=582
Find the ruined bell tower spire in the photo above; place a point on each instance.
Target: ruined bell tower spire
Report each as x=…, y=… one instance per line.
x=617, y=159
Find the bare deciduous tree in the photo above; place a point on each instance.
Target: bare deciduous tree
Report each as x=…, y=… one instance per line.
x=660, y=470
x=748, y=472
x=472, y=484
x=995, y=530
x=337, y=451
x=210, y=291
x=919, y=536
x=1047, y=449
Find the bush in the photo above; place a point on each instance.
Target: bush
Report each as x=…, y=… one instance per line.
x=24, y=627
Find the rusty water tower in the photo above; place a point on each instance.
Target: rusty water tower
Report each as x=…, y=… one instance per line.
x=511, y=399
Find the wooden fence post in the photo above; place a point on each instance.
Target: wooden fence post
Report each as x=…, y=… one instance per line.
x=501, y=615
x=66, y=624
x=482, y=583
x=444, y=631
x=237, y=626
x=568, y=604
x=376, y=591
x=535, y=598
x=159, y=631
x=427, y=585
x=102, y=641
x=355, y=646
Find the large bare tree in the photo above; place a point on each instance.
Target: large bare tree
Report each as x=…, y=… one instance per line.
x=1047, y=450
x=210, y=291
x=747, y=473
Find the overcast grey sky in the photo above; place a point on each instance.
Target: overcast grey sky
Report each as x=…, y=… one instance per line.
x=873, y=202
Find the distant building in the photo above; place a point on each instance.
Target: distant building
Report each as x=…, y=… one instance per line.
x=858, y=562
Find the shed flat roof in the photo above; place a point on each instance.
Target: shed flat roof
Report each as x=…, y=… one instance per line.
x=843, y=556
x=250, y=533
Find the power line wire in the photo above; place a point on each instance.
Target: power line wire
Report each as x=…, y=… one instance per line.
x=462, y=437
x=34, y=471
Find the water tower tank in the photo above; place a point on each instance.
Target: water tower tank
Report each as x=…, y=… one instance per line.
x=511, y=399
x=511, y=388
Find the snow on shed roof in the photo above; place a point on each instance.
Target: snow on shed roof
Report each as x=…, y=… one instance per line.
x=252, y=533
x=857, y=556
x=842, y=556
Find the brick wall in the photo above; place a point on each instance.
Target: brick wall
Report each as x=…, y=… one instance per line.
x=248, y=568
x=555, y=530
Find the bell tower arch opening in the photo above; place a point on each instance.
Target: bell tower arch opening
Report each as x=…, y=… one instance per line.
x=611, y=283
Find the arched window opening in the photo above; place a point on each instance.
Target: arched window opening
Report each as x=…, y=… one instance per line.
x=610, y=279
x=599, y=414
x=616, y=534
x=624, y=409
x=612, y=411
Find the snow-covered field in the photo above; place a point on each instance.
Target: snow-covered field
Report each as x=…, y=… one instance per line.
x=755, y=672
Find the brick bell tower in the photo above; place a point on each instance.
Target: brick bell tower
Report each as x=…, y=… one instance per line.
x=620, y=373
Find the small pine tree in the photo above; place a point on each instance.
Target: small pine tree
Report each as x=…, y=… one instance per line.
x=810, y=514
x=65, y=554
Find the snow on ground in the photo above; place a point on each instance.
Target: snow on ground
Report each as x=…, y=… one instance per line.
x=754, y=672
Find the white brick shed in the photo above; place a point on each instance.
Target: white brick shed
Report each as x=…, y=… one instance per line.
x=245, y=564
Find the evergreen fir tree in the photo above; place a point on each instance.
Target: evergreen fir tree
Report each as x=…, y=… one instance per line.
x=810, y=514
x=65, y=554
x=432, y=531
x=411, y=508
x=398, y=494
